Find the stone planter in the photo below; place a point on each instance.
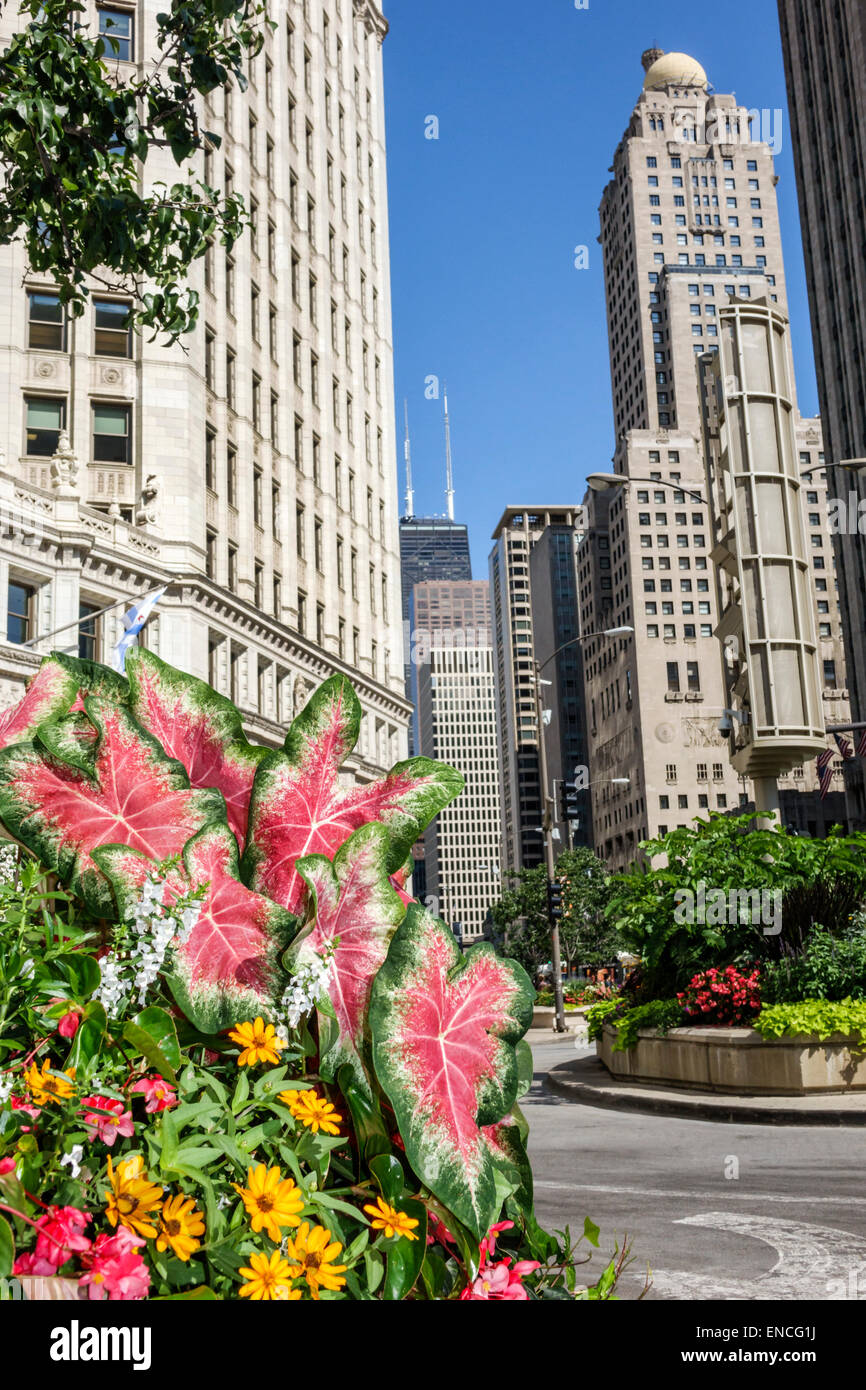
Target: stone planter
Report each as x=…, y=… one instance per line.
x=738, y=1061
x=543, y=1015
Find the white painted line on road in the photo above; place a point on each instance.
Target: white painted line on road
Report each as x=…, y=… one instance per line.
x=814, y=1262
x=731, y=1191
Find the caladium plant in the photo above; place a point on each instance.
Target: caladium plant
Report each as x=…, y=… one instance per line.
x=199, y=727
x=299, y=807
x=95, y=779
x=354, y=912
x=229, y=968
x=445, y=1028
x=58, y=687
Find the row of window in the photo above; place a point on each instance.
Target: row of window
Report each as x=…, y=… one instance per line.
x=47, y=324
x=111, y=428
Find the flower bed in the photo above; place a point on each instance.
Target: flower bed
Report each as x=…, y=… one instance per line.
x=216, y=1011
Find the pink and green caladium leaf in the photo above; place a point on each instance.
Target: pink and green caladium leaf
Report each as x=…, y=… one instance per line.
x=300, y=808
x=64, y=794
x=199, y=727
x=355, y=905
x=507, y=1143
x=445, y=1027
x=56, y=688
x=229, y=968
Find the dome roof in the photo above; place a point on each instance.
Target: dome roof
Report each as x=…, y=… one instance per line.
x=672, y=70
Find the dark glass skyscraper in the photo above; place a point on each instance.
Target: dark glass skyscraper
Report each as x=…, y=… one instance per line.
x=432, y=547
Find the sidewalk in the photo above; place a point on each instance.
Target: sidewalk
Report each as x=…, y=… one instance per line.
x=587, y=1081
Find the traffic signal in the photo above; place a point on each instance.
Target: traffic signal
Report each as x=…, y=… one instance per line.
x=554, y=901
x=569, y=808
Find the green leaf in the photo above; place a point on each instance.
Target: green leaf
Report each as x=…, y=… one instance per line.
x=89, y=1037
x=160, y=1026
x=143, y=1042
x=242, y=1092
x=201, y=1294
x=405, y=1257
x=374, y=1265
x=590, y=1232
x=7, y=1249
x=388, y=1172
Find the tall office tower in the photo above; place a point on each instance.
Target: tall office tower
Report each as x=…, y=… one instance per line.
x=556, y=626
x=257, y=460
x=689, y=222
x=455, y=680
x=825, y=67
x=517, y=532
x=431, y=547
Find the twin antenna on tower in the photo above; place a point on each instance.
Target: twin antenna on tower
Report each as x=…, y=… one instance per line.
x=449, y=476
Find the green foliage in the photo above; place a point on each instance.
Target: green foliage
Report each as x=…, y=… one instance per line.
x=661, y=1014
x=819, y=880
x=586, y=937
x=78, y=143
x=830, y=967
x=813, y=1018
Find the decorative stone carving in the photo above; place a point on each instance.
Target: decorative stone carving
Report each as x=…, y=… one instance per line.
x=702, y=733
x=46, y=369
x=299, y=698
x=665, y=733
x=114, y=510
x=148, y=511
x=110, y=376
x=64, y=467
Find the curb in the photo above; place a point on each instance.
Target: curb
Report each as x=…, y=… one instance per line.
x=587, y=1081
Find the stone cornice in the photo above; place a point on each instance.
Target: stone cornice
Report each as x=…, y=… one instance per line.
x=373, y=18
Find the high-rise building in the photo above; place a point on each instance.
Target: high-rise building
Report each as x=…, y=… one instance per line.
x=256, y=460
x=689, y=223
x=517, y=532
x=825, y=66
x=432, y=547
x=455, y=680
x=556, y=629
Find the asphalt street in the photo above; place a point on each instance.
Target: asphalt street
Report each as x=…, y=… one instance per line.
x=713, y=1211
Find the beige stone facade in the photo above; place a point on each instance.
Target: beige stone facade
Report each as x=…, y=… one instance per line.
x=256, y=462
x=689, y=222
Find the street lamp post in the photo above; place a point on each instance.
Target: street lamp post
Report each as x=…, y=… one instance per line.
x=547, y=822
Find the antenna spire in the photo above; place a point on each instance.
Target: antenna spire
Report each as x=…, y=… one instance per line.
x=449, y=477
x=407, y=454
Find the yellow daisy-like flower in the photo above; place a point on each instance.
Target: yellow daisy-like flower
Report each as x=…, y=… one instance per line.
x=44, y=1087
x=312, y=1110
x=268, y=1279
x=393, y=1222
x=310, y=1254
x=133, y=1197
x=259, y=1042
x=271, y=1200
x=180, y=1222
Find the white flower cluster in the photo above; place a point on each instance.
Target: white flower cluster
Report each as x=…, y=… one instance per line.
x=8, y=863
x=6, y=1084
x=73, y=1160
x=152, y=929
x=306, y=986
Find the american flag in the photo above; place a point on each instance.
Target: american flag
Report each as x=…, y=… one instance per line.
x=845, y=746
x=861, y=744
x=825, y=770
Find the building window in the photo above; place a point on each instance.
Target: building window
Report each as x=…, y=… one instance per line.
x=111, y=442
x=673, y=675
x=116, y=29
x=211, y=556
x=233, y=569
x=112, y=328
x=259, y=587
x=46, y=417
x=20, y=612
x=46, y=322
x=302, y=614
x=88, y=634
x=210, y=460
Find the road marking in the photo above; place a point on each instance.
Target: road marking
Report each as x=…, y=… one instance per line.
x=814, y=1262
x=731, y=1191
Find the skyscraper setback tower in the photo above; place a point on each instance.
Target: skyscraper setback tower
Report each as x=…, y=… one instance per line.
x=257, y=460
x=689, y=223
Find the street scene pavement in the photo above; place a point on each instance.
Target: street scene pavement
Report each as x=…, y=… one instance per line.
x=712, y=1210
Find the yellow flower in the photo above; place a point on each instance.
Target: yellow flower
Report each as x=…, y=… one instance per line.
x=44, y=1087
x=393, y=1222
x=268, y=1279
x=259, y=1042
x=271, y=1201
x=310, y=1254
x=179, y=1223
x=312, y=1110
x=133, y=1197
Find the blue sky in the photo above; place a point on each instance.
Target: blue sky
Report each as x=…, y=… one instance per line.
x=532, y=97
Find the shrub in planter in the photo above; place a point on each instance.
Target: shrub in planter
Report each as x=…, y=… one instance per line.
x=724, y=998
x=830, y=967
x=216, y=1011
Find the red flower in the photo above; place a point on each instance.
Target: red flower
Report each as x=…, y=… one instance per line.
x=61, y=1235
x=158, y=1093
x=68, y=1025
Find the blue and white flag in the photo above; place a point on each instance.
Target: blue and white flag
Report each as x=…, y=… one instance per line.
x=134, y=620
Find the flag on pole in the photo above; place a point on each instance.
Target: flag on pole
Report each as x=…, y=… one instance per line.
x=845, y=746
x=825, y=770
x=861, y=744
x=134, y=620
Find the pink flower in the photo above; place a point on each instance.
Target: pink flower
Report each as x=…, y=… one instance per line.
x=160, y=1095
x=499, y=1281
x=68, y=1025
x=7, y=1165
x=61, y=1235
x=115, y=1268
x=104, y=1119
x=33, y=1110
x=32, y=1264
x=437, y=1230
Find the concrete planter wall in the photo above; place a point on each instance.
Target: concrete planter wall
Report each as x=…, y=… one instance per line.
x=543, y=1015
x=738, y=1060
